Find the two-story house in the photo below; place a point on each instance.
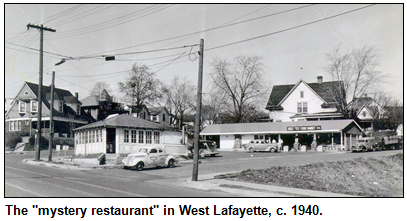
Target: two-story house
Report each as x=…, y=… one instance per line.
x=305, y=101
x=367, y=111
x=161, y=115
x=23, y=113
x=99, y=107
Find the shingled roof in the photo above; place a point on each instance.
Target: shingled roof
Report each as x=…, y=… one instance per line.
x=124, y=121
x=279, y=92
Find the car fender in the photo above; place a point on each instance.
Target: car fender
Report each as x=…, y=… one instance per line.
x=169, y=158
x=135, y=161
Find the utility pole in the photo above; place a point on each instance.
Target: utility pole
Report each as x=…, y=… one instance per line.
x=51, y=122
x=41, y=29
x=198, y=112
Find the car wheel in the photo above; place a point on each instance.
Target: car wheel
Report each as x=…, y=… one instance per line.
x=364, y=149
x=272, y=150
x=202, y=154
x=139, y=166
x=251, y=149
x=393, y=147
x=171, y=163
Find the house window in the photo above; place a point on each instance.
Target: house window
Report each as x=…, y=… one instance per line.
x=149, y=137
x=34, y=106
x=156, y=137
x=154, y=118
x=140, y=136
x=301, y=94
x=21, y=107
x=364, y=113
x=126, y=136
x=26, y=93
x=27, y=123
x=134, y=136
x=163, y=117
x=14, y=125
x=61, y=106
x=302, y=107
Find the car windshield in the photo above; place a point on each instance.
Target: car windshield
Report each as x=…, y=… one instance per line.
x=143, y=150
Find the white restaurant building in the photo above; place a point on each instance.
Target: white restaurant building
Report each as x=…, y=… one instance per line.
x=334, y=134
x=122, y=134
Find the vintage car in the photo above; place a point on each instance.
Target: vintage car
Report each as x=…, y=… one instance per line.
x=149, y=157
x=365, y=144
x=206, y=148
x=260, y=145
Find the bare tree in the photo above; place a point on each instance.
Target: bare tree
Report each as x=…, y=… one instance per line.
x=356, y=72
x=240, y=82
x=98, y=88
x=180, y=94
x=140, y=86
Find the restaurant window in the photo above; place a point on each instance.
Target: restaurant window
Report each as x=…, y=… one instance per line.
x=156, y=137
x=126, y=136
x=140, y=136
x=149, y=137
x=134, y=136
x=21, y=107
x=86, y=136
x=100, y=135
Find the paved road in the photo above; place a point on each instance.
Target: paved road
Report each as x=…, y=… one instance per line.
x=25, y=180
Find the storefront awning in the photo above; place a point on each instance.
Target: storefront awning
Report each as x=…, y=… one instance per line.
x=295, y=127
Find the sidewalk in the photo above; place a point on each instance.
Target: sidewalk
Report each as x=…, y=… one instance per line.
x=207, y=182
x=243, y=189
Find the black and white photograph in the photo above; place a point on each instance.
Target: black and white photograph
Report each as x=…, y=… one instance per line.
x=204, y=101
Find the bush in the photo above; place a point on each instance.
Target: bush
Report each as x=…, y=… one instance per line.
x=12, y=139
x=31, y=143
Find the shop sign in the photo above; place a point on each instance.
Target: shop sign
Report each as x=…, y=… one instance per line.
x=303, y=128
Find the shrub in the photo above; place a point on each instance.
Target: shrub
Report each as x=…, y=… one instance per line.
x=12, y=139
x=31, y=143
x=63, y=141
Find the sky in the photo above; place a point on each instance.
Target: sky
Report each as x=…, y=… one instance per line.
x=156, y=30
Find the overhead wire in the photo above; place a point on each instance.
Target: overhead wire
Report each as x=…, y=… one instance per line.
x=211, y=29
x=288, y=29
x=69, y=20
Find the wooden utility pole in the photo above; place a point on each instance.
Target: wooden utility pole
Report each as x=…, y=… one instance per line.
x=198, y=112
x=41, y=29
x=51, y=122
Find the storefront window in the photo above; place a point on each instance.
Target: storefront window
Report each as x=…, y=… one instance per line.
x=156, y=137
x=126, y=136
x=134, y=136
x=140, y=136
x=149, y=137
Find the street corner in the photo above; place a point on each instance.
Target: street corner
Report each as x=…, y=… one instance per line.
x=55, y=164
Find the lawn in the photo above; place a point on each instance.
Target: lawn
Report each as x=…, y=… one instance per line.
x=366, y=176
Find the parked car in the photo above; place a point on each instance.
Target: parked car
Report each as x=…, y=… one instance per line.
x=206, y=148
x=365, y=144
x=260, y=145
x=149, y=157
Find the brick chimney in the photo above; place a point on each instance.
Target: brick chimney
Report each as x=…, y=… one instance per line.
x=320, y=79
x=77, y=96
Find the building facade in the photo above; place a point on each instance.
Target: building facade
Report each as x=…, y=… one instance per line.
x=122, y=134
x=23, y=113
x=305, y=101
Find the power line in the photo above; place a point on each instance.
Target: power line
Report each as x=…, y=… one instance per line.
x=288, y=29
x=135, y=52
x=69, y=20
x=102, y=26
x=64, y=13
x=213, y=28
x=64, y=56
